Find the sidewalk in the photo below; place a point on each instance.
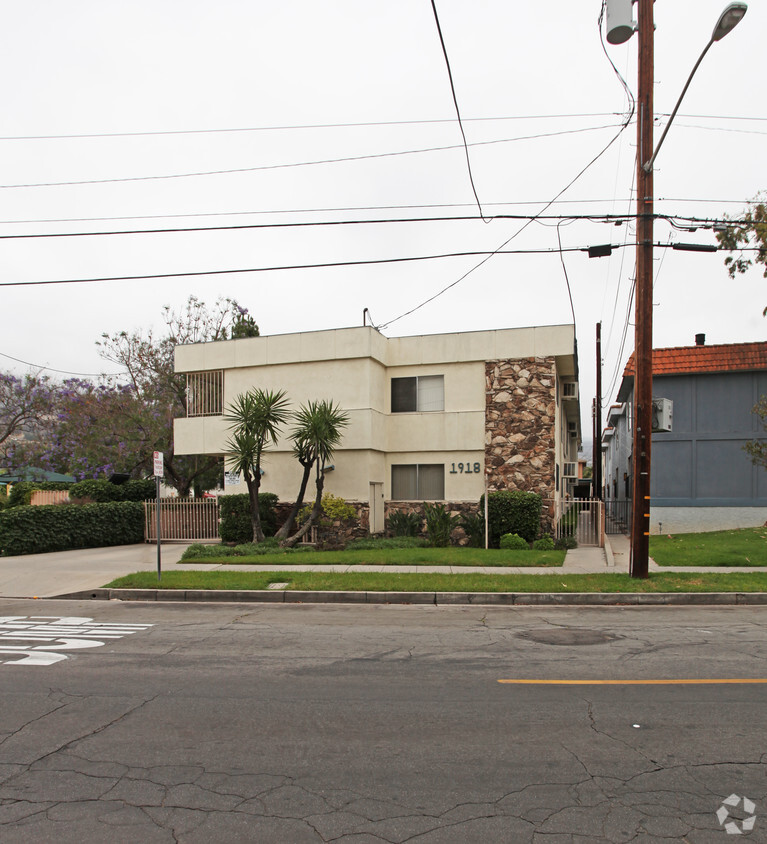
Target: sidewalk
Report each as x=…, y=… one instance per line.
x=67, y=572
x=70, y=572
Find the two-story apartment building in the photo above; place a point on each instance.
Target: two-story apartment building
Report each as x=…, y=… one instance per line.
x=433, y=417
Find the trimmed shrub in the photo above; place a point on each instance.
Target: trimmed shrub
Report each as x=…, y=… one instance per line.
x=235, y=525
x=402, y=523
x=21, y=492
x=545, y=543
x=439, y=524
x=337, y=509
x=514, y=542
x=102, y=490
x=62, y=527
x=512, y=511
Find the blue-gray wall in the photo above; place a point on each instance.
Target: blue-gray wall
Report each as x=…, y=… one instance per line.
x=701, y=463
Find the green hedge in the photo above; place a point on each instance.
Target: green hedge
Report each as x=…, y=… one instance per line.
x=21, y=492
x=62, y=527
x=512, y=511
x=100, y=491
x=234, y=511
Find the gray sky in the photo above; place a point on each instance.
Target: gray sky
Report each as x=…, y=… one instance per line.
x=539, y=100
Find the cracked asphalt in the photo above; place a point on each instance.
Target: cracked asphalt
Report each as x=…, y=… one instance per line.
x=336, y=723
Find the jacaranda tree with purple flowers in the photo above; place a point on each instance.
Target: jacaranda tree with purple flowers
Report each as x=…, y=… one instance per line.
x=115, y=425
x=26, y=407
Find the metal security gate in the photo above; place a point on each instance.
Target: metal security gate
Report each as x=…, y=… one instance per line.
x=580, y=518
x=618, y=516
x=184, y=519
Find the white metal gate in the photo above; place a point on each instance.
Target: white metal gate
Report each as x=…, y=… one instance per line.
x=581, y=518
x=186, y=519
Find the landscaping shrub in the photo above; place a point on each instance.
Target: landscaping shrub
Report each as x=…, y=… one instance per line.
x=402, y=523
x=473, y=525
x=21, y=492
x=514, y=542
x=566, y=542
x=3, y=498
x=545, y=543
x=62, y=527
x=336, y=509
x=512, y=511
x=439, y=524
x=234, y=510
x=103, y=490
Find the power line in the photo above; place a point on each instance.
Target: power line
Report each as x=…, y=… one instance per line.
x=39, y=366
x=457, y=110
x=349, y=208
x=265, y=167
x=326, y=264
x=360, y=124
x=626, y=122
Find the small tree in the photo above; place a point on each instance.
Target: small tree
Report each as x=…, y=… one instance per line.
x=316, y=435
x=757, y=449
x=255, y=418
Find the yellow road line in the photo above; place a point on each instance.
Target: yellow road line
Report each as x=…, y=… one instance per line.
x=678, y=682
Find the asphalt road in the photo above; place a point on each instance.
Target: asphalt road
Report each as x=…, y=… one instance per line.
x=283, y=723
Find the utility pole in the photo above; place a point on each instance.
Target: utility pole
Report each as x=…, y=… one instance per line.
x=596, y=472
x=642, y=434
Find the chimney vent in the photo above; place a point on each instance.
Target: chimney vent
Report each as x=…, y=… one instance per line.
x=700, y=339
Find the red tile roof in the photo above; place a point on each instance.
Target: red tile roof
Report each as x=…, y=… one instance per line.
x=722, y=358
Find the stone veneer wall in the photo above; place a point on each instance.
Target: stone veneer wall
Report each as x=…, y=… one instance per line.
x=520, y=417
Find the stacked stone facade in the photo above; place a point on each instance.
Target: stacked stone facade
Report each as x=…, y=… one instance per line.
x=520, y=420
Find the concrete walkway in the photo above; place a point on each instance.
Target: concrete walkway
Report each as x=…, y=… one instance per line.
x=67, y=572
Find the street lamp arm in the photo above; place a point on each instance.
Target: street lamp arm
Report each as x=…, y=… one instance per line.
x=647, y=166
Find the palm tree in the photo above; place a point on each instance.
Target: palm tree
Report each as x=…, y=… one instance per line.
x=316, y=435
x=255, y=418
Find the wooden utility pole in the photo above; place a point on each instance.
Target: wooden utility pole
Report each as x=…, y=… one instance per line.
x=642, y=434
x=596, y=472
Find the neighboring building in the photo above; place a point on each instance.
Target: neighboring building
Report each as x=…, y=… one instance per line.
x=701, y=478
x=431, y=417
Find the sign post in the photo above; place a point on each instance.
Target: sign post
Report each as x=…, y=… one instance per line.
x=158, y=468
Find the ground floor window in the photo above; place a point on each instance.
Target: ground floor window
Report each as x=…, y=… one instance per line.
x=418, y=481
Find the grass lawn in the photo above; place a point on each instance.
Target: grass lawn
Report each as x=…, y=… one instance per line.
x=746, y=547
x=394, y=557
x=383, y=582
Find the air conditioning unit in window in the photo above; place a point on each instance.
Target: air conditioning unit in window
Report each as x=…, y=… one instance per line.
x=662, y=415
x=569, y=390
x=572, y=428
x=570, y=470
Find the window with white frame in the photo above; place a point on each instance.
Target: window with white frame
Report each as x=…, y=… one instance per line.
x=418, y=482
x=420, y=393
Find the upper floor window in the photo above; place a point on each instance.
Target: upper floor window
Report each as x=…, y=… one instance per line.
x=418, y=393
x=205, y=393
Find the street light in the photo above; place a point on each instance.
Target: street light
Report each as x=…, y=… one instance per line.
x=728, y=20
x=642, y=433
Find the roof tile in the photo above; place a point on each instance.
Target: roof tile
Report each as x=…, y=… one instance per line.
x=726, y=357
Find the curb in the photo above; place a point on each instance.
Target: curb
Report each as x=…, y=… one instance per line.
x=434, y=598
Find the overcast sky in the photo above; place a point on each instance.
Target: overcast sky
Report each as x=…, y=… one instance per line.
x=116, y=98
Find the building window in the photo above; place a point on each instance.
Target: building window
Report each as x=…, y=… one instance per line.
x=418, y=482
x=419, y=393
x=205, y=393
